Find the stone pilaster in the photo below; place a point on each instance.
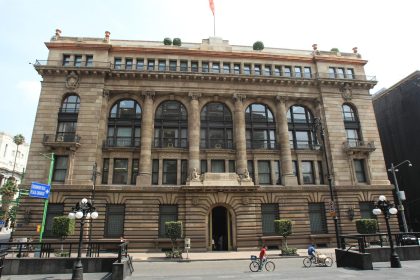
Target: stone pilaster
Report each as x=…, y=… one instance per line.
x=288, y=178
x=194, y=133
x=240, y=138
x=145, y=163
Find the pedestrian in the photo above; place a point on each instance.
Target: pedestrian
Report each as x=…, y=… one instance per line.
x=263, y=255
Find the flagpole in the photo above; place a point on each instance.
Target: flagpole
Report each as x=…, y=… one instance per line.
x=214, y=25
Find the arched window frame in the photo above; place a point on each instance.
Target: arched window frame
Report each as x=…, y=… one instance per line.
x=264, y=126
x=67, y=119
x=216, y=131
x=70, y=104
x=300, y=122
x=351, y=125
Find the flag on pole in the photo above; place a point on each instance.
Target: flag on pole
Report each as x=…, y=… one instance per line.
x=211, y=6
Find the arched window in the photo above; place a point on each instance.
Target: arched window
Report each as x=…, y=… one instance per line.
x=352, y=126
x=171, y=125
x=216, y=127
x=67, y=119
x=124, y=124
x=260, y=127
x=300, y=123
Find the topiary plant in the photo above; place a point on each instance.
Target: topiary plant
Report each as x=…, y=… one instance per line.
x=335, y=50
x=173, y=231
x=258, y=46
x=62, y=227
x=177, y=42
x=167, y=41
x=366, y=226
x=283, y=227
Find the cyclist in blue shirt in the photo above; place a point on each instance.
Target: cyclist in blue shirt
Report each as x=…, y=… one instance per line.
x=312, y=251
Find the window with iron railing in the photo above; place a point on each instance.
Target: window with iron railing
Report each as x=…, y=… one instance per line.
x=260, y=127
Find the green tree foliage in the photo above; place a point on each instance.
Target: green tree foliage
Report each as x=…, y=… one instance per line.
x=167, y=41
x=258, y=46
x=173, y=231
x=284, y=228
x=7, y=193
x=63, y=226
x=335, y=50
x=177, y=42
x=366, y=226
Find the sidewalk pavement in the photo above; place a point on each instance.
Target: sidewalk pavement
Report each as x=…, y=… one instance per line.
x=217, y=255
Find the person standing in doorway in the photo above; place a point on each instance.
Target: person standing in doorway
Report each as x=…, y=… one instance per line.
x=220, y=242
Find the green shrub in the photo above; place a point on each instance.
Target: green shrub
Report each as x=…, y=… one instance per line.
x=284, y=228
x=177, y=42
x=366, y=226
x=167, y=41
x=63, y=226
x=258, y=46
x=288, y=251
x=173, y=231
x=335, y=50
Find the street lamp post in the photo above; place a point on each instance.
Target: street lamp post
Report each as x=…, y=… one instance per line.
x=384, y=206
x=317, y=126
x=83, y=210
x=94, y=174
x=400, y=206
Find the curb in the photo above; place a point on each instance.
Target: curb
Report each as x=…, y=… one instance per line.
x=164, y=259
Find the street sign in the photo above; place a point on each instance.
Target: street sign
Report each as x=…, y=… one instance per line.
x=39, y=190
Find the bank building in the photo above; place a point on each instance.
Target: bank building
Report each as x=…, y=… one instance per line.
x=222, y=137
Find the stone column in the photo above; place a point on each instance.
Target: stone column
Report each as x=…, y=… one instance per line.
x=145, y=164
x=194, y=133
x=288, y=178
x=240, y=138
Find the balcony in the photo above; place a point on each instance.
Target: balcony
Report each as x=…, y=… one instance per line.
x=358, y=146
x=345, y=78
x=216, y=144
x=68, y=140
x=60, y=66
x=170, y=143
x=121, y=142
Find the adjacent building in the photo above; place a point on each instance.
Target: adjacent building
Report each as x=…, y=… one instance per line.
x=397, y=113
x=12, y=158
x=218, y=136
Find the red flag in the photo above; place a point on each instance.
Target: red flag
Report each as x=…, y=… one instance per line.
x=211, y=6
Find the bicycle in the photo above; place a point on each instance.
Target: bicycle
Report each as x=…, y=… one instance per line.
x=254, y=266
x=320, y=260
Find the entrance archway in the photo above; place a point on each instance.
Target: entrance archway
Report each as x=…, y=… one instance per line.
x=220, y=229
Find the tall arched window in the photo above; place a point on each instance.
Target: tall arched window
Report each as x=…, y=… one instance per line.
x=300, y=123
x=352, y=126
x=171, y=125
x=260, y=127
x=124, y=124
x=67, y=119
x=216, y=127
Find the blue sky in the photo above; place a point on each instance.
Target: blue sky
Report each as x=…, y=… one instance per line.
x=386, y=33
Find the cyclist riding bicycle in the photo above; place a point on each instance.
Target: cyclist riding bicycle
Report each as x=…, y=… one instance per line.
x=312, y=252
x=263, y=254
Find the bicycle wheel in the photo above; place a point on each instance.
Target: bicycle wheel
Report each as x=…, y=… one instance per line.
x=328, y=262
x=270, y=266
x=307, y=262
x=254, y=266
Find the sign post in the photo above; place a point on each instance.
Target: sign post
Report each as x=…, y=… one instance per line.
x=44, y=216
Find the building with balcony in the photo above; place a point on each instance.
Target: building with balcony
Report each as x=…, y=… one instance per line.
x=218, y=136
x=8, y=166
x=397, y=113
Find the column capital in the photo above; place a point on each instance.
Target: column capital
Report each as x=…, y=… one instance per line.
x=105, y=93
x=281, y=99
x=194, y=95
x=239, y=97
x=148, y=94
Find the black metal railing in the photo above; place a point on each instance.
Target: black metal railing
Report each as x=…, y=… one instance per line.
x=122, y=142
x=73, y=63
x=217, y=144
x=345, y=76
x=67, y=137
x=171, y=143
x=353, y=143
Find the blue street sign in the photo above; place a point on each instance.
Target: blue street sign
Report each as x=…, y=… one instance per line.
x=1, y=223
x=39, y=190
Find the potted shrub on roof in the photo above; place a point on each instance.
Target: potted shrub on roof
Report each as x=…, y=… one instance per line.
x=177, y=42
x=258, y=46
x=167, y=41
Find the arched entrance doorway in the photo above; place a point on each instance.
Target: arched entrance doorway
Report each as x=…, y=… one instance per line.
x=220, y=229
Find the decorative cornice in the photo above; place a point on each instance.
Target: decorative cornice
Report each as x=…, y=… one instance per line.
x=194, y=95
x=148, y=94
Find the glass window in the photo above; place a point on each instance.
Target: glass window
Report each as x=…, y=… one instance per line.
x=302, y=139
x=267, y=70
x=348, y=114
x=184, y=65
x=171, y=125
x=124, y=124
x=340, y=73
x=317, y=218
x=349, y=73
x=269, y=213
x=366, y=208
x=155, y=172
x=247, y=69
x=128, y=64
x=260, y=127
x=71, y=104
x=277, y=172
x=298, y=72
x=257, y=69
x=134, y=171
x=205, y=67
x=331, y=73
x=89, y=60
x=114, y=220
x=237, y=68
x=250, y=166
x=66, y=60
x=352, y=137
x=162, y=65
x=194, y=66
x=321, y=173
x=77, y=60
x=287, y=71
x=140, y=64
x=277, y=70
x=295, y=167
x=217, y=166
x=167, y=213
x=216, y=67
x=352, y=126
x=232, y=168
x=184, y=171
x=226, y=68
x=117, y=63
x=264, y=172
x=53, y=210
x=169, y=172
x=105, y=171
x=308, y=173
x=150, y=64
x=172, y=65
x=300, y=122
x=60, y=168
x=203, y=166
x=307, y=72
x=216, y=127
x=359, y=167
x=120, y=174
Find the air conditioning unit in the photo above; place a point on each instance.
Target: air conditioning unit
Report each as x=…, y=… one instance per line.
x=60, y=138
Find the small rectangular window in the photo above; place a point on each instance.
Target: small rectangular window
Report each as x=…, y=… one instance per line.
x=89, y=60
x=53, y=210
x=331, y=73
x=134, y=171
x=162, y=65
x=120, y=173
x=226, y=68
x=277, y=172
x=317, y=218
x=296, y=170
x=203, y=166
x=114, y=220
x=66, y=60
x=232, y=168
x=77, y=60
x=150, y=64
x=340, y=73
x=117, y=63
x=105, y=171
x=308, y=173
x=205, y=67
x=169, y=172
x=277, y=70
x=172, y=65
x=264, y=172
x=167, y=213
x=287, y=71
x=139, y=64
x=216, y=67
x=307, y=74
x=257, y=69
x=128, y=64
x=247, y=69
x=183, y=65
x=194, y=66
x=237, y=69
x=250, y=166
x=155, y=172
x=217, y=166
x=366, y=208
x=184, y=171
x=321, y=173
x=349, y=73
x=269, y=213
x=267, y=70
x=298, y=72
x=60, y=168
x=359, y=167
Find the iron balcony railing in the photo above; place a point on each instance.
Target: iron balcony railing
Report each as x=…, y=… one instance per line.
x=122, y=142
x=171, y=143
x=359, y=144
x=344, y=76
x=73, y=64
x=217, y=144
x=59, y=137
x=261, y=144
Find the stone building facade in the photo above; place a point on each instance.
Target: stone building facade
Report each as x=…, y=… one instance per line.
x=214, y=135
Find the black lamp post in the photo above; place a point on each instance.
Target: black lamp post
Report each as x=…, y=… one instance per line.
x=317, y=126
x=83, y=210
x=384, y=206
x=94, y=174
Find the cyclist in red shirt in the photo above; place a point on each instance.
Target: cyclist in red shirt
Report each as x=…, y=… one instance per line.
x=263, y=254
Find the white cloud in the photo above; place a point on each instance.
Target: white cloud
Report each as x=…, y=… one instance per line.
x=29, y=89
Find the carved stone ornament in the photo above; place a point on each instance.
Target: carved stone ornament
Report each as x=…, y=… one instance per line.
x=245, y=200
x=195, y=201
x=72, y=80
x=346, y=91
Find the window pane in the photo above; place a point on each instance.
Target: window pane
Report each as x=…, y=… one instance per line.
x=307, y=172
x=120, y=171
x=53, y=210
x=169, y=172
x=60, y=168
x=269, y=213
x=359, y=168
x=217, y=166
x=366, y=210
x=115, y=215
x=264, y=172
x=317, y=218
x=167, y=213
